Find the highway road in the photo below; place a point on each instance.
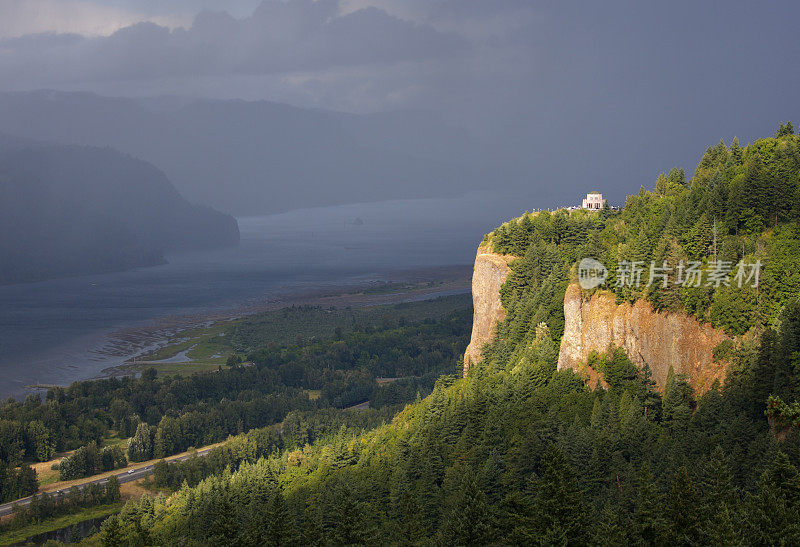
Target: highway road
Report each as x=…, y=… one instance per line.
x=124, y=476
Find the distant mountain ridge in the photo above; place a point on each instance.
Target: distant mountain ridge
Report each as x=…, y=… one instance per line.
x=68, y=210
x=262, y=157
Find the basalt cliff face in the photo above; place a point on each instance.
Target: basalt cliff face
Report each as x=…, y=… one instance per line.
x=657, y=339
x=491, y=270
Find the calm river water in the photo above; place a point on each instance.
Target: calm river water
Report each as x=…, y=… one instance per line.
x=57, y=331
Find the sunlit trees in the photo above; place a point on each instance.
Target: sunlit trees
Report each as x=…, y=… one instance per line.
x=140, y=447
x=89, y=460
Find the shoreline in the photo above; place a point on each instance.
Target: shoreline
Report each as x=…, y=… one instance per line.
x=385, y=289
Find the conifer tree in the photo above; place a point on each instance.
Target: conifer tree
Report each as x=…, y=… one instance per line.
x=784, y=181
x=111, y=533
x=719, y=501
x=225, y=528
x=281, y=529
x=784, y=130
x=257, y=519
x=349, y=526
x=773, y=513
x=491, y=475
x=758, y=188
x=313, y=533
x=682, y=511
x=678, y=403
x=112, y=489
x=614, y=527
x=736, y=152
x=470, y=521
x=648, y=517
x=559, y=514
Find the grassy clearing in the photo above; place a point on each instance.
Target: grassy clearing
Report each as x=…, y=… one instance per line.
x=115, y=440
x=45, y=472
x=17, y=536
x=47, y=475
x=202, y=341
x=136, y=489
x=210, y=347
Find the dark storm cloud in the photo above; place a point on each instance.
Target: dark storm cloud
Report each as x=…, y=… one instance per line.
x=302, y=35
x=579, y=94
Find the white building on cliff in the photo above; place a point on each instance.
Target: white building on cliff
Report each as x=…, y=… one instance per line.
x=594, y=201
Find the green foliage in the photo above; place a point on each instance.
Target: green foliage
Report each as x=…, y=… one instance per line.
x=470, y=520
x=90, y=460
x=40, y=443
x=724, y=351
x=140, y=447
x=49, y=506
x=774, y=509
x=16, y=483
x=74, y=522
x=520, y=453
x=618, y=371
x=785, y=130
x=522, y=456
x=741, y=205
x=407, y=345
x=283, y=327
x=559, y=514
x=781, y=414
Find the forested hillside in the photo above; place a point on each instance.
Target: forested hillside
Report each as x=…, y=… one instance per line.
x=68, y=210
x=519, y=453
x=410, y=345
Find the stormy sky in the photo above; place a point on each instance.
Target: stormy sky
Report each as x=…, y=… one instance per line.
x=584, y=94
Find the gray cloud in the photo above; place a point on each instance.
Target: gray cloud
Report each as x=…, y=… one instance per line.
x=20, y=17
x=278, y=38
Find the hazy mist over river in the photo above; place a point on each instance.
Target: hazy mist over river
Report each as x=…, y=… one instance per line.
x=55, y=332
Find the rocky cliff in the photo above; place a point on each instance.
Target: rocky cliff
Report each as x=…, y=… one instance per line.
x=491, y=270
x=659, y=339
x=656, y=338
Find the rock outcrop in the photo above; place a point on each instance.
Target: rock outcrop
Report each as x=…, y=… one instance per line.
x=491, y=270
x=658, y=339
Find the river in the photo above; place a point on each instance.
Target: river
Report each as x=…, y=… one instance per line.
x=62, y=330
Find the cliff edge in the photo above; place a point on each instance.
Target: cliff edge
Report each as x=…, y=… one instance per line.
x=658, y=339
x=489, y=274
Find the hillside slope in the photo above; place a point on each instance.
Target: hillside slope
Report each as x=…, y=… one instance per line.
x=68, y=210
